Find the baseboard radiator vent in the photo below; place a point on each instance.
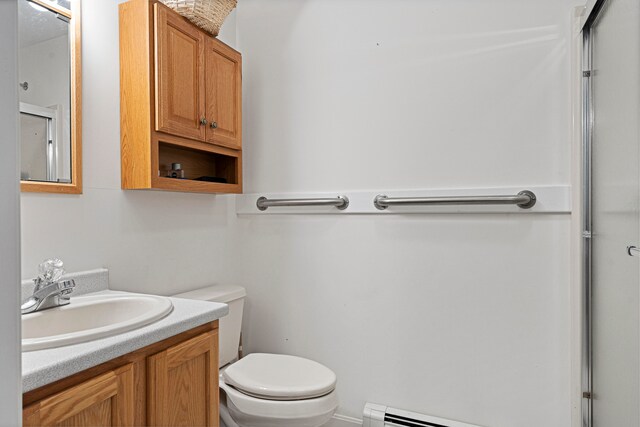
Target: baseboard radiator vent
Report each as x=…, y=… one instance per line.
x=384, y=416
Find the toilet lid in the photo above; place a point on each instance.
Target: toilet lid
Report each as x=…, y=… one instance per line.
x=280, y=377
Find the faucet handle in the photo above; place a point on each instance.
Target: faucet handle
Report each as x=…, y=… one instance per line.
x=50, y=271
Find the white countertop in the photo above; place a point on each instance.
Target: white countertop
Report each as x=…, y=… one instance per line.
x=43, y=367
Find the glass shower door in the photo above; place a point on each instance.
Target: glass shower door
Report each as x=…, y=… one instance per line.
x=35, y=148
x=615, y=215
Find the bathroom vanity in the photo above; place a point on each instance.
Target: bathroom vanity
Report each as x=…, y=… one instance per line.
x=163, y=373
x=173, y=382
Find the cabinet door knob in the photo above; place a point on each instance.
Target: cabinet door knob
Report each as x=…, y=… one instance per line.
x=203, y=121
x=214, y=125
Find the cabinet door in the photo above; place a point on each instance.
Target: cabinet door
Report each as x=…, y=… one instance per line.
x=183, y=384
x=179, y=68
x=106, y=400
x=223, y=84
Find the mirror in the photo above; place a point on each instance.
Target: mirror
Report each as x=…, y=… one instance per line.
x=50, y=93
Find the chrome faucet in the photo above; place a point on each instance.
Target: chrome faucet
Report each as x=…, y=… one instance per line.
x=50, y=291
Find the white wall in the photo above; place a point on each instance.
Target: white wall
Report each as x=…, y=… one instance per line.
x=150, y=241
x=467, y=316
x=11, y=384
x=45, y=66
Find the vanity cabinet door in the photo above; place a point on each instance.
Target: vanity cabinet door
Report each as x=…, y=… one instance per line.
x=180, y=95
x=182, y=384
x=223, y=84
x=106, y=400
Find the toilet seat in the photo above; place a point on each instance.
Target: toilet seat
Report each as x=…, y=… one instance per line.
x=279, y=377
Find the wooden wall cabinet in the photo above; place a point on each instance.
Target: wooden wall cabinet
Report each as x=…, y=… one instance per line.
x=223, y=89
x=171, y=383
x=180, y=74
x=181, y=102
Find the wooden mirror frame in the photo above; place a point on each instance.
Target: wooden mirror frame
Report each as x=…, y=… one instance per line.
x=75, y=186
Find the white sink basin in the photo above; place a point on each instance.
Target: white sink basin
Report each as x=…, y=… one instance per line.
x=91, y=317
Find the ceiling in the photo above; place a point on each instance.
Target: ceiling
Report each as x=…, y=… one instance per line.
x=37, y=24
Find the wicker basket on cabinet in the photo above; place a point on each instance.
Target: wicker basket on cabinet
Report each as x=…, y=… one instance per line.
x=206, y=14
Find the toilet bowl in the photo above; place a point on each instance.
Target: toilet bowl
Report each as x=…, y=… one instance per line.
x=262, y=389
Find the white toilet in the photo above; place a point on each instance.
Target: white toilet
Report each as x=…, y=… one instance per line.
x=265, y=390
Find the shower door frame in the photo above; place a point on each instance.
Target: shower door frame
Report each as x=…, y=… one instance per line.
x=587, y=128
x=53, y=140
x=592, y=11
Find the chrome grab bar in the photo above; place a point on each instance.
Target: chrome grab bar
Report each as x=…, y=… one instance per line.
x=524, y=199
x=633, y=251
x=340, y=202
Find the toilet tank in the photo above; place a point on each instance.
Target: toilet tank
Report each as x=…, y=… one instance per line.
x=230, y=325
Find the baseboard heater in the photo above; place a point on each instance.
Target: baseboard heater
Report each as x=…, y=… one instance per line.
x=384, y=416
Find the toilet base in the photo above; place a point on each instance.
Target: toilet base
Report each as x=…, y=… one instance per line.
x=249, y=421
x=225, y=417
x=231, y=416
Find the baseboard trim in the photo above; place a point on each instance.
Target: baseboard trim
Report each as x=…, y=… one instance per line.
x=343, y=421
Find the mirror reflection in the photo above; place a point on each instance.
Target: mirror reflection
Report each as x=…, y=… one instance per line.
x=45, y=92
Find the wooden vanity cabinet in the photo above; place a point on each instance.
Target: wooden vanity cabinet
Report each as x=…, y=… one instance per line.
x=170, y=383
x=180, y=102
x=181, y=386
x=106, y=400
